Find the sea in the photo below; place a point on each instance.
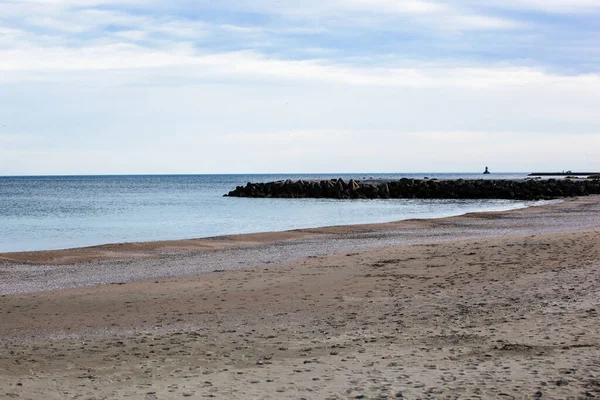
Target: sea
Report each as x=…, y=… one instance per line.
x=58, y=212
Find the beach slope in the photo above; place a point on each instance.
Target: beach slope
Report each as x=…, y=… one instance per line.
x=493, y=305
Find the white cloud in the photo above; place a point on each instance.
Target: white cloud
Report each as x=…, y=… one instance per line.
x=480, y=22
x=387, y=14
x=242, y=29
x=72, y=17
x=132, y=35
x=83, y=82
x=551, y=6
x=393, y=6
x=44, y=62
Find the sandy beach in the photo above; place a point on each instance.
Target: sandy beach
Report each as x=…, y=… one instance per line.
x=491, y=305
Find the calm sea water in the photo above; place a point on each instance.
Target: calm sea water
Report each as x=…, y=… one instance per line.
x=54, y=212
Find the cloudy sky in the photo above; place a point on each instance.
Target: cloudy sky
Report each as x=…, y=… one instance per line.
x=204, y=86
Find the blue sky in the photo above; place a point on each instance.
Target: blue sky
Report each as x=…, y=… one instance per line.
x=132, y=86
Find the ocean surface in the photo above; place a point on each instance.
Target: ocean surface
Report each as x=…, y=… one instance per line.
x=55, y=212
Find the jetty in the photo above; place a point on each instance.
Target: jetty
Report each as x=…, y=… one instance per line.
x=523, y=189
x=565, y=173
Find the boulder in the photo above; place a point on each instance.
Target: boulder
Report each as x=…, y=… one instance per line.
x=353, y=185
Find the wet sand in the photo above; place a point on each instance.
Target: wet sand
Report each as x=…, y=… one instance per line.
x=490, y=305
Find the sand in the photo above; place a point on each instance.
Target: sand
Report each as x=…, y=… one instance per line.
x=490, y=305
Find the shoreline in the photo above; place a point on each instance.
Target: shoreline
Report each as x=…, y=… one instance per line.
x=488, y=305
x=123, y=250
x=108, y=248
x=32, y=272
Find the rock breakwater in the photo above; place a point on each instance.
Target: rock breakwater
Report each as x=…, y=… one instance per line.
x=527, y=189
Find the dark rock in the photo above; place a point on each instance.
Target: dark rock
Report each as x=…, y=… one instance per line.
x=384, y=191
x=427, y=189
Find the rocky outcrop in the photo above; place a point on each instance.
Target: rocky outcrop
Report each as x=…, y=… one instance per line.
x=422, y=188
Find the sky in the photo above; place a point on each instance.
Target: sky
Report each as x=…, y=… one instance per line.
x=278, y=86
